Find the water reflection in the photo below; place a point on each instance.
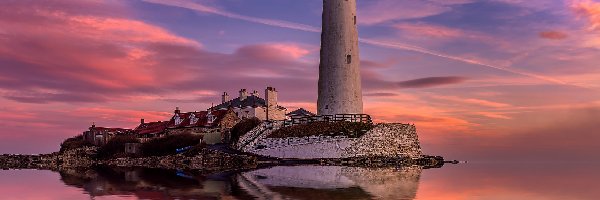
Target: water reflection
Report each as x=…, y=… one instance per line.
x=332, y=182
x=281, y=182
x=527, y=181
x=145, y=183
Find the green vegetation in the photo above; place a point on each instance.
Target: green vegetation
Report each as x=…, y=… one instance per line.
x=116, y=146
x=74, y=143
x=169, y=144
x=243, y=127
x=349, y=129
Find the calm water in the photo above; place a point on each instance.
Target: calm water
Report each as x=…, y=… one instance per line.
x=465, y=181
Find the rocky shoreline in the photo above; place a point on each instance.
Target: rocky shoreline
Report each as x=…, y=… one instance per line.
x=83, y=158
x=206, y=159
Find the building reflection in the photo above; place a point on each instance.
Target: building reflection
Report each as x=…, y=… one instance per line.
x=281, y=182
x=331, y=182
x=146, y=183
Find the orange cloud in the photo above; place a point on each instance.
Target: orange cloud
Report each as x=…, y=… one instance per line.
x=589, y=10
x=472, y=101
x=494, y=115
x=293, y=50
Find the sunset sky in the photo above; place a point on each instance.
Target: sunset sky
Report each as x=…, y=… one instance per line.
x=482, y=79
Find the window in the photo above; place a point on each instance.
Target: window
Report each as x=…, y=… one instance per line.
x=354, y=20
x=178, y=120
x=210, y=118
x=348, y=59
x=193, y=119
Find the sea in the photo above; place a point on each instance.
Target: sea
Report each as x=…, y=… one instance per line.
x=472, y=180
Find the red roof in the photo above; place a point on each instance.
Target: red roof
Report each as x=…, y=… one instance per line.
x=151, y=128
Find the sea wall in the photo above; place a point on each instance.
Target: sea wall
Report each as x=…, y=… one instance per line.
x=304, y=148
x=388, y=140
x=249, y=141
x=385, y=140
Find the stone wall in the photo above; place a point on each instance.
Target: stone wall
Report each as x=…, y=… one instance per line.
x=229, y=120
x=390, y=140
x=291, y=141
x=385, y=140
x=248, y=141
x=306, y=148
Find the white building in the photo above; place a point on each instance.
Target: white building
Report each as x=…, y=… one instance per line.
x=252, y=105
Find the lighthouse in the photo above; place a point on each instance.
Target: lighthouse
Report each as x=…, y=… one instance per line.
x=340, y=90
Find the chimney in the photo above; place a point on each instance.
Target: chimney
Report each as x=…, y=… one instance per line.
x=177, y=111
x=243, y=94
x=271, y=101
x=255, y=93
x=225, y=97
x=142, y=121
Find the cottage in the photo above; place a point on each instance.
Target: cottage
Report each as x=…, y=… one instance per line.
x=251, y=105
x=101, y=135
x=213, y=125
x=148, y=131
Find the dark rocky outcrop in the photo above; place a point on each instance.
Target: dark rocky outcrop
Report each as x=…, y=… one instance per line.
x=204, y=159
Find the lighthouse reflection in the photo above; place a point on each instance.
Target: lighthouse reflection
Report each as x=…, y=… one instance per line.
x=331, y=182
x=281, y=182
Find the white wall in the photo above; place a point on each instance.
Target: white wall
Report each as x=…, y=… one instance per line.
x=391, y=140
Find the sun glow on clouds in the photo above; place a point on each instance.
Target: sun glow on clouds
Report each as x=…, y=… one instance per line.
x=590, y=10
x=102, y=45
x=66, y=64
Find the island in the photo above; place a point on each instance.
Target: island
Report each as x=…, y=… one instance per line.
x=250, y=131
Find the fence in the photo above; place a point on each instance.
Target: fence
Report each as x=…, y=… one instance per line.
x=364, y=118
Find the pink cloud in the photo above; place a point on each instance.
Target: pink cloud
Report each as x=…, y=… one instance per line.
x=383, y=11
x=388, y=10
x=99, y=58
x=276, y=51
x=98, y=52
x=553, y=35
x=427, y=30
x=589, y=10
x=293, y=50
x=122, y=30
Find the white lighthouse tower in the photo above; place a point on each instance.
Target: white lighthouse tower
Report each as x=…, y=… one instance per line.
x=340, y=90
